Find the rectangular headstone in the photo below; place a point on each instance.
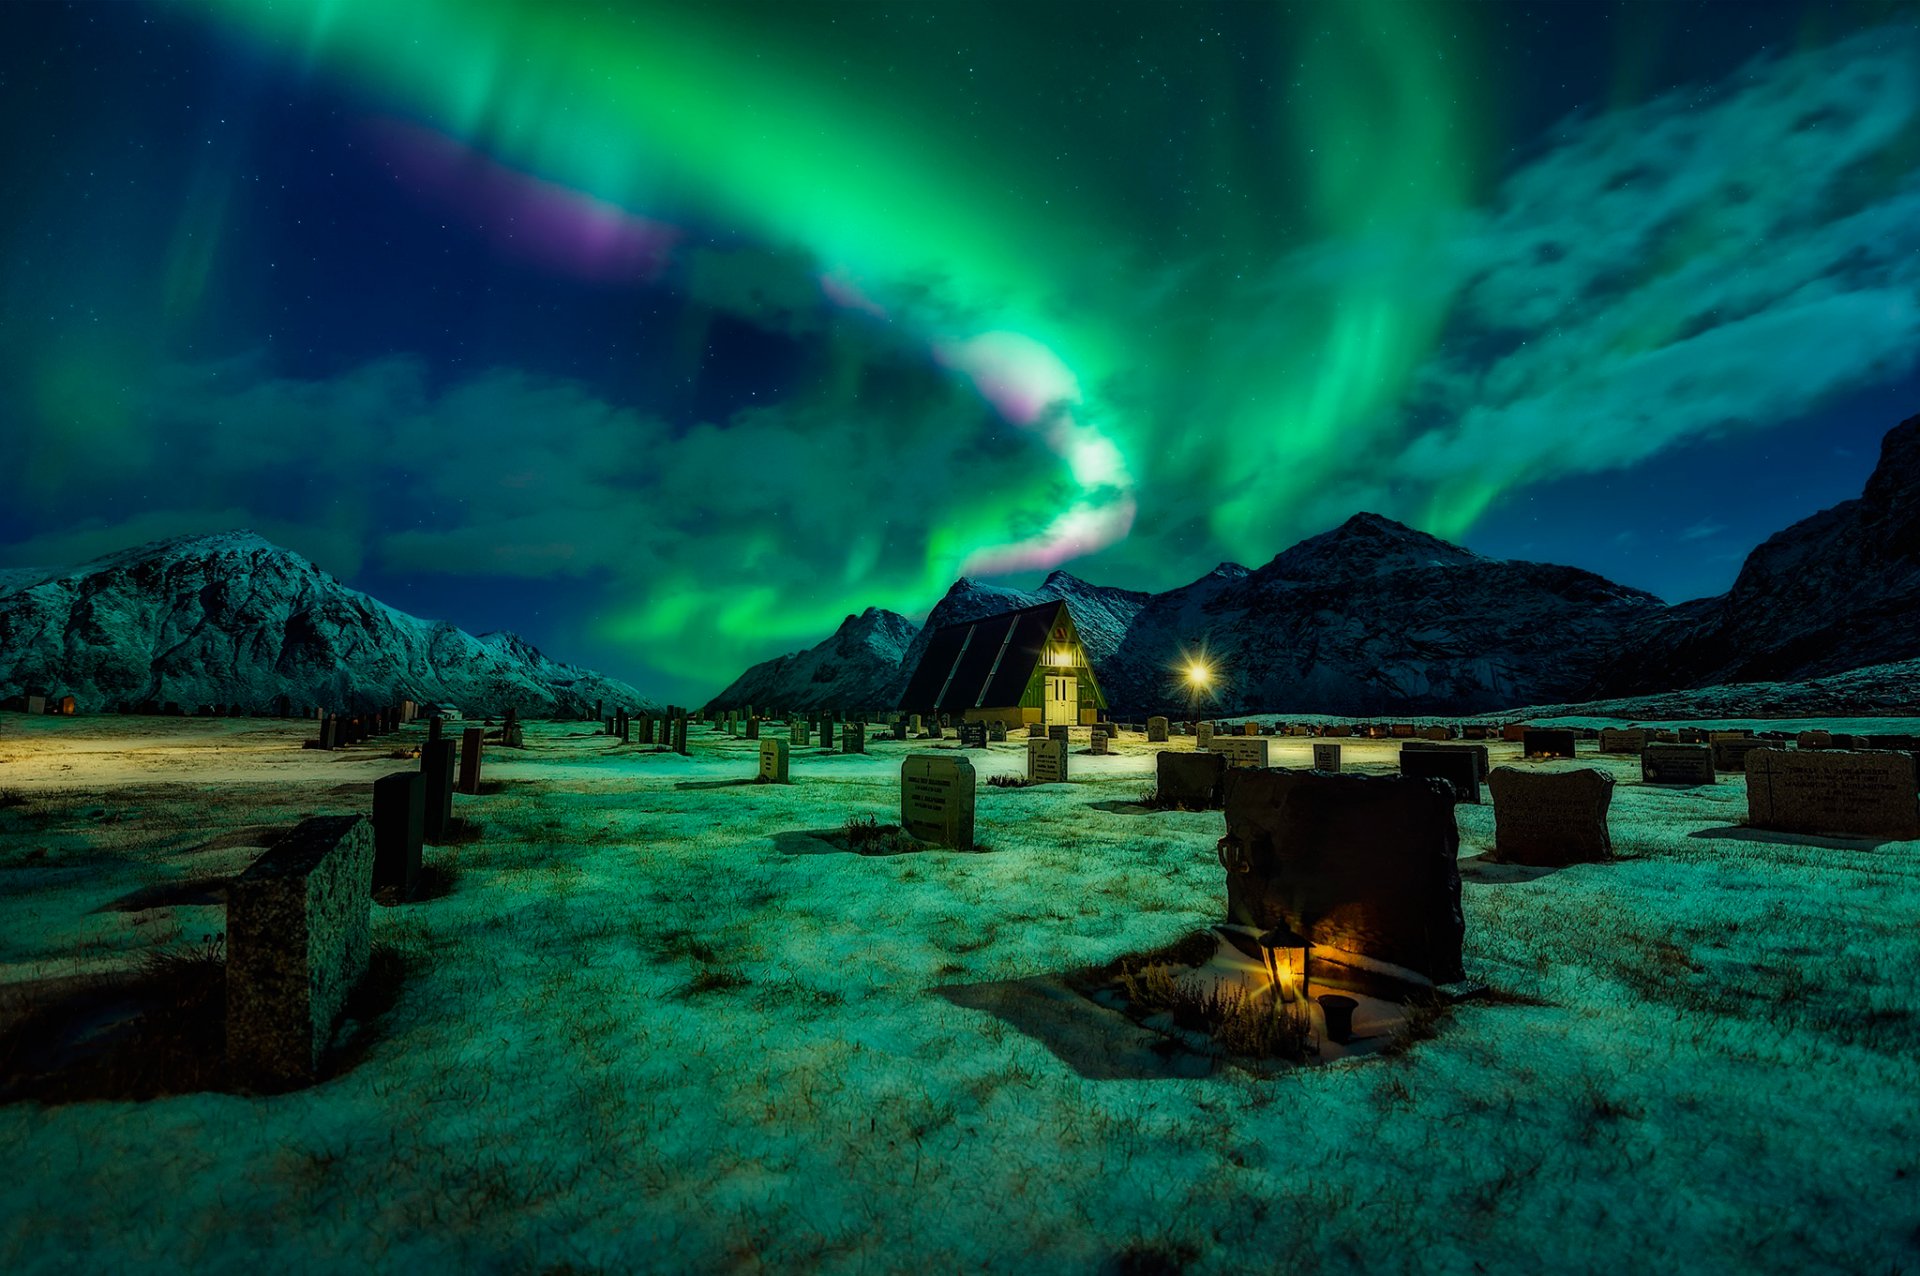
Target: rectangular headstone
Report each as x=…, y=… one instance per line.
x=1730, y=752
x=470, y=759
x=1059, y=733
x=399, y=827
x=997, y=732
x=1340, y=731
x=902, y=729
x=937, y=798
x=1546, y=743
x=680, y=735
x=1514, y=732
x=1326, y=757
x=1614, y=740
x=1677, y=764
x=1203, y=735
x=1156, y=730
x=1482, y=763
x=1833, y=791
x=1242, y=751
x=1361, y=863
x=753, y=728
x=299, y=932
x=1457, y=766
x=436, y=778
x=1099, y=746
x=973, y=734
x=773, y=761
x=1047, y=761
x=1190, y=781
x=802, y=736
x=853, y=737
x=1551, y=818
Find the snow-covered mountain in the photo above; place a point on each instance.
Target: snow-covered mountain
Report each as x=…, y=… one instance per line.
x=232, y=619
x=857, y=666
x=1834, y=592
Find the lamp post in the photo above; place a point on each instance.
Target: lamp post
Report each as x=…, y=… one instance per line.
x=1198, y=676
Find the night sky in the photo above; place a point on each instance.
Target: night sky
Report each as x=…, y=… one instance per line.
x=669, y=334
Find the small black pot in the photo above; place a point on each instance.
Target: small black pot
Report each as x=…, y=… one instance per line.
x=1339, y=1011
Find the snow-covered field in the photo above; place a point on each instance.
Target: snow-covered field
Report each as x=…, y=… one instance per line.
x=657, y=1024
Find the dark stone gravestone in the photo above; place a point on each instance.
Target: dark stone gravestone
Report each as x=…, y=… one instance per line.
x=1402, y=730
x=436, y=774
x=1457, y=766
x=1543, y=743
x=937, y=798
x=646, y=728
x=853, y=737
x=1514, y=732
x=997, y=731
x=470, y=740
x=298, y=936
x=1615, y=740
x=1037, y=730
x=1059, y=733
x=902, y=729
x=1813, y=740
x=753, y=728
x=1730, y=754
x=1474, y=731
x=1436, y=733
x=1551, y=818
x=801, y=735
x=436, y=728
x=1692, y=735
x=1834, y=792
x=1099, y=746
x=399, y=827
x=973, y=734
x=1156, y=730
x=1360, y=863
x=1191, y=781
x=1340, y=731
x=1241, y=751
x=1688, y=764
x=1047, y=761
x=680, y=736
x=330, y=732
x=773, y=761
x=1326, y=757
x=283, y=706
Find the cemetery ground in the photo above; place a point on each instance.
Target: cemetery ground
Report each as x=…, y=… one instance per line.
x=652, y=1018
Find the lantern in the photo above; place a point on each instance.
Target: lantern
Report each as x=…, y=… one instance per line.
x=1285, y=951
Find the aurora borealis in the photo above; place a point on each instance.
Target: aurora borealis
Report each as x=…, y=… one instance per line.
x=670, y=334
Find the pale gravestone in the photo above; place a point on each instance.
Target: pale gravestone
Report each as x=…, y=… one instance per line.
x=1688, y=764
x=801, y=735
x=1364, y=864
x=299, y=933
x=1458, y=767
x=1551, y=818
x=773, y=761
x=1834, y=792
x=1190, y=781
x=937, y=798
x=853, y=737
x=1100, y=743
x=1047, y=761
x=1326, y=757
x=1156, y=730
x=1242, y=751
x=1203, y=735
x=1613, y=740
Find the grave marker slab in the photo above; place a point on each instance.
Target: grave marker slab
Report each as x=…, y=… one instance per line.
x=1482, y=763
x=1047, y=761
x=801, y=735
x=1240, y=751
x=1833, y=791
x=399, y=827
x=1457, y=766
x=1099, y=746
x=1616, y=740
x=436, y=776
x=1190, y=781
x=853, y=737
x=1688, y=764
x=997, y=732
x=298, y=936
x=1551, y=818
x=1326, y=757
x=1361, y=863
x=1156, y=730
x=773, y=761
x=470, y=743
x=1730, y=752
x=1545, y=743
x=973, y=735
x=1203, y=735
x=937, y=799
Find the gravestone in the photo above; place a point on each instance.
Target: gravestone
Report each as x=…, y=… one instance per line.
x=36, y=705
x=436, y=727
x=997, y=731
x=680, y=735
x=1436, y=733
x=936, y=731
x=773, y=761
x=1156, y=730
x=1037, y=730
x=936, y=799
x=1730, y=752
x=436, y=776
x=1241, y=751
x=901, y=729
x=1688, y=764
x=801, y=735
x=1057, y=733
x=1361, y=863
x=1457, y=766
x=1543, y=743
x=1551, y=818
x=1514, y=732
x=1692, y=735
x=973, y=735
x=1482, y=763
x=470, y=759
x=646, y=728
x=1190, y=781
x=1474, y=731
x=1203, y=735
x=1047, y=761
x=1247, y=728
x=753, y=728
x=1099, y=746
x=1813, y=740
x=1326, y=757
x=299, y=932
x=1743, y=733
x=1340, y=731
x=1833, y=791
x=853, y=737
x=399, y=826
x=915, y=726
x=1616, y=740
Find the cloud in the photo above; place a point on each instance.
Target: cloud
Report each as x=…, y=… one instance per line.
x=1702, y=530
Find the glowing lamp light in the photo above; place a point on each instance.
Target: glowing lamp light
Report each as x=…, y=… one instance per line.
x=1285, y=952
x=1198, y=674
